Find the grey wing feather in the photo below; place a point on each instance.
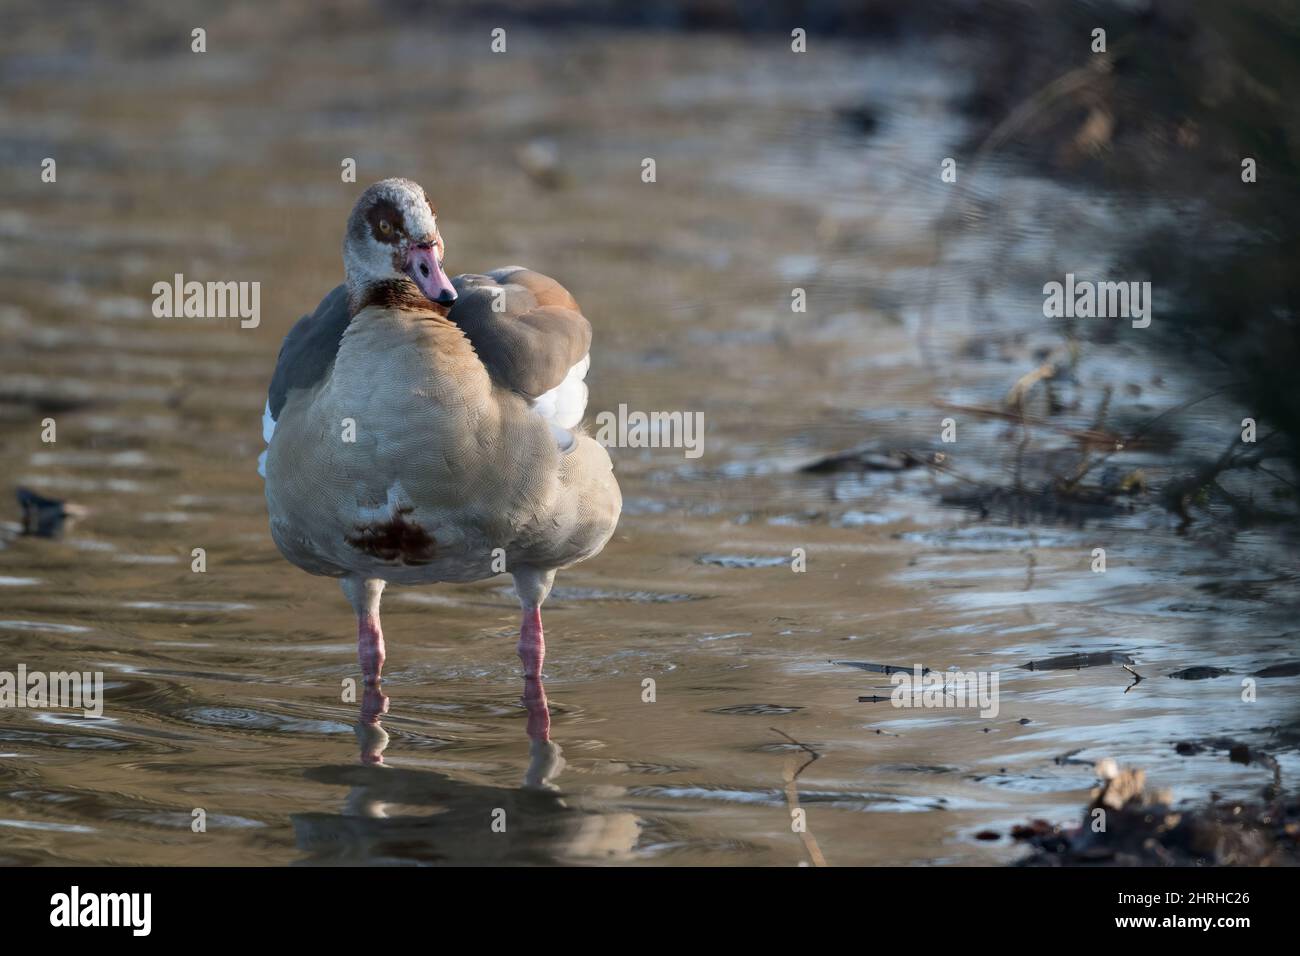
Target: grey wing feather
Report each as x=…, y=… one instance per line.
x=525, y=327
x=309, y=349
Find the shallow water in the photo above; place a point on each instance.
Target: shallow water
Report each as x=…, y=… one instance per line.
x=224, y=688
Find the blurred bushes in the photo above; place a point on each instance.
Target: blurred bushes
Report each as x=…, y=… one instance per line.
x=1184, y=93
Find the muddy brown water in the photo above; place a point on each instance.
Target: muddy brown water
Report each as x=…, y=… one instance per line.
x=223, y=688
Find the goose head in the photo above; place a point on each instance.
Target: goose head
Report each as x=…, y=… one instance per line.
x=392, y=247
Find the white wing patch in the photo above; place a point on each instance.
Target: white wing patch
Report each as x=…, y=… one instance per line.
x=564, y=405
x=268, y=429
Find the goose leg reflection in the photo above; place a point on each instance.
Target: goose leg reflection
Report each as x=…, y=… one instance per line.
x=539, y=712
x=370, y=732
x=545, y=759
x=396, y=815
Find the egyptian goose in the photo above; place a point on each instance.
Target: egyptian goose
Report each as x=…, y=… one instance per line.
x=424, y=429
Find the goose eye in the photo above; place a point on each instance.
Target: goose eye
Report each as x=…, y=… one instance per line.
x=385, y=227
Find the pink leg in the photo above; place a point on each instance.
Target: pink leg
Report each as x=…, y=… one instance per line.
x=364, y=594
x=532, y=647
x=370, y=648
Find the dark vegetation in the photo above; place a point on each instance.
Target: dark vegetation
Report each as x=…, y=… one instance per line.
x=1125, y=824
x=1184, y=94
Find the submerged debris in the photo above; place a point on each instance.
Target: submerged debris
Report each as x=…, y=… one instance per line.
x=880, y=668
x=1237, y=751
x=757, y=710
x=1290, y=669
x=44, y=517
x=863, y=118
x=1074, y=662
x=870, y=459
x=742, y=560
x=1069, y=758
x=1199, y=673
x=1051, y=504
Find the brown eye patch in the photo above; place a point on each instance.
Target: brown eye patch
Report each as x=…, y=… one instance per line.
x=385, y=211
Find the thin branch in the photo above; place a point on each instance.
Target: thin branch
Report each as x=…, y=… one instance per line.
x=1137, y=678
x=792, y=796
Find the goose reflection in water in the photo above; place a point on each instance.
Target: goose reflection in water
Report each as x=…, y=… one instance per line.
x=412, y=816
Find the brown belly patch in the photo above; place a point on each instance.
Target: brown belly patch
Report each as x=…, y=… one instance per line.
x=398, y=539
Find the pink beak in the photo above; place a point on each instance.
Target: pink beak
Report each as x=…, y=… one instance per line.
x=423, y=267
